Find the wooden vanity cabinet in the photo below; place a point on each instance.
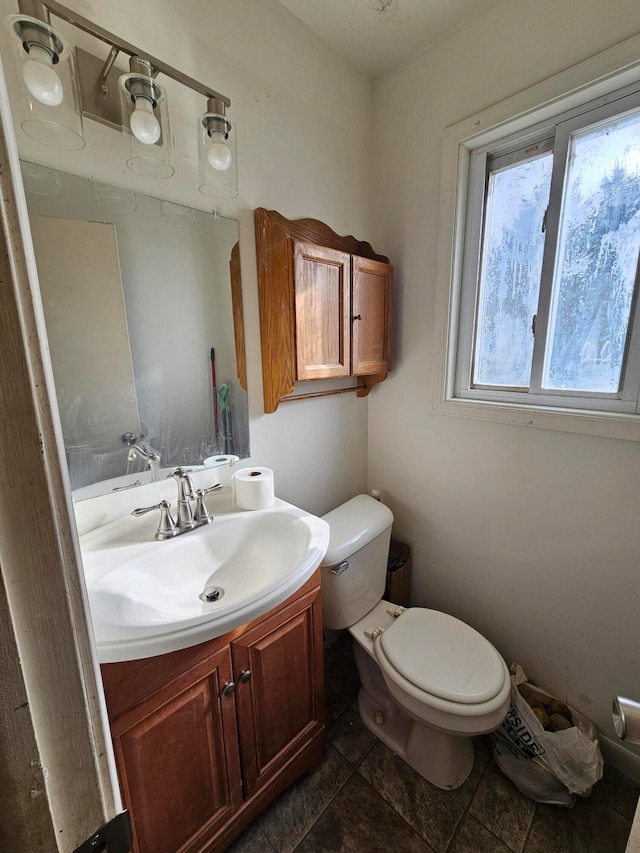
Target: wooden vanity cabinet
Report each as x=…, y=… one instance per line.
x=325, y=306
x=197, y=760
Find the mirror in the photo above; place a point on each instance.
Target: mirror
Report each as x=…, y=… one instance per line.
x=143, y=310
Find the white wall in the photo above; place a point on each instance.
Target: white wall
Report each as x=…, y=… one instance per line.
x=529, y=535
x=303, y=118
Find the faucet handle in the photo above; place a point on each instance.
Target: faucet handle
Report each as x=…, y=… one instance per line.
x=202, y=514
x=167, y=526
x=215, y=488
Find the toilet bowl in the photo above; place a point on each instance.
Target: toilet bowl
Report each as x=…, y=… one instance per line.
x=429, y=682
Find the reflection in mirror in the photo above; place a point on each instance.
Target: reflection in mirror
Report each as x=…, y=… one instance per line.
x=143, y=312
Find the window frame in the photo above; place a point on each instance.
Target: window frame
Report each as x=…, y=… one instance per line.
x=526, y=118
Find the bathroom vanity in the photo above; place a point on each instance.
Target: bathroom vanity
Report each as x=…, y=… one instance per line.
x=206, y=736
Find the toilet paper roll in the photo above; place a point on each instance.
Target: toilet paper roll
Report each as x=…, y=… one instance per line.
x=252, y=488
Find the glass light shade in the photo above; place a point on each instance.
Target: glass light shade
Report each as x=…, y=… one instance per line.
x=40, y=180
x=47, y=86
x=217, y=157
x=176, y=214
x=116, y=199
x=145, y=121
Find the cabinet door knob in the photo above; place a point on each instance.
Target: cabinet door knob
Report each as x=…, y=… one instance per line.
x=244, y=676
x=229, y=688
x=357, y=317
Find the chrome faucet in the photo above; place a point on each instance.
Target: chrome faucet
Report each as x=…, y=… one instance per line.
x=187, y=518
x=144, y=452
x=186, y=494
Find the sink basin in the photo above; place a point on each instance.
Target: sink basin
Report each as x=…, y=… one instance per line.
x=147, y=597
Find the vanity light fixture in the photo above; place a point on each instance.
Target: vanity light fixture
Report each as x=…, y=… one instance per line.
x=134, y=102
x=217, y=150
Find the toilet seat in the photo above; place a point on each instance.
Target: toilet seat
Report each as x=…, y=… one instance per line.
x=443, y=657
x=433, y=712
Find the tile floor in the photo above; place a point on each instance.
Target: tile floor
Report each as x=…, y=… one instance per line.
x=364, y=799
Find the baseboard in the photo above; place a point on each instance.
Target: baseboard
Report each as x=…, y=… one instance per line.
x=621, y=757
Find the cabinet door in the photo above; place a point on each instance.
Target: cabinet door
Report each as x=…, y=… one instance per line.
x=322, y=296
x=372, y=292
x=178, y=761
x=281, y=706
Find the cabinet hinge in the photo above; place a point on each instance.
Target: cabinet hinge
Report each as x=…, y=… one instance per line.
x=544, y=221
x=534, y=320
x=114, y=837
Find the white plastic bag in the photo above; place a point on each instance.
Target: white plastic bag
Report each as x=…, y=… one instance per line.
x=549, y=767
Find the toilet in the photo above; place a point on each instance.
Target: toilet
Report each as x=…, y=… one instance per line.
x=429, y=682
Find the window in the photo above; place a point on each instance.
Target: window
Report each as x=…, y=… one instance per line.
x=549, y=277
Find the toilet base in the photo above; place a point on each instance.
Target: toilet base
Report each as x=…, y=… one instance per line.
x=443, y=759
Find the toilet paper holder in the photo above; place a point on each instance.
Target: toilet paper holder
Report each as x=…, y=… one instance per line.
x=626, y=719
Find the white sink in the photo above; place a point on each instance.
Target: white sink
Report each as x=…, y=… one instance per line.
x=145, y=595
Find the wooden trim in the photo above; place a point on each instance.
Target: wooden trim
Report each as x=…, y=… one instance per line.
x=277, y=310
x=310, y=394
x=238, y=315
x=314, y=231
x=370, y=381
x=40, y=563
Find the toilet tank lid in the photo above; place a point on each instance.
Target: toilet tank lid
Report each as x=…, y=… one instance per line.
x=353, y=525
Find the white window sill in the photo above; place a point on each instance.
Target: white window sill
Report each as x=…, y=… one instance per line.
x=584, y=422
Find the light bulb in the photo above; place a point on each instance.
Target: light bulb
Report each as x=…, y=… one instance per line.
x=40, y=78
x=218, y=152
x=144, y=125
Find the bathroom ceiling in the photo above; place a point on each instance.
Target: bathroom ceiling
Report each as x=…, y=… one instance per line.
x=377, y=35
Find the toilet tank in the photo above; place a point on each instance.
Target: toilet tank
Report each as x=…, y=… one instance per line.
x=354, y=569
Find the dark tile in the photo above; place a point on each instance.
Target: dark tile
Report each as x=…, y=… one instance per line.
x=617, y=791
x=252, y=840
x=291, y=816
x=471, y=837
x=358, y=820
x=501, y=808
x=482, y=752
x=589, y=827
x=334, y=706
x=340, y=671
x=430, y=811
x=351, y=737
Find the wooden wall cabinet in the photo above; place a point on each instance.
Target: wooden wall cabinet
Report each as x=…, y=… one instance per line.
x=198, y=760
x=325, y=306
